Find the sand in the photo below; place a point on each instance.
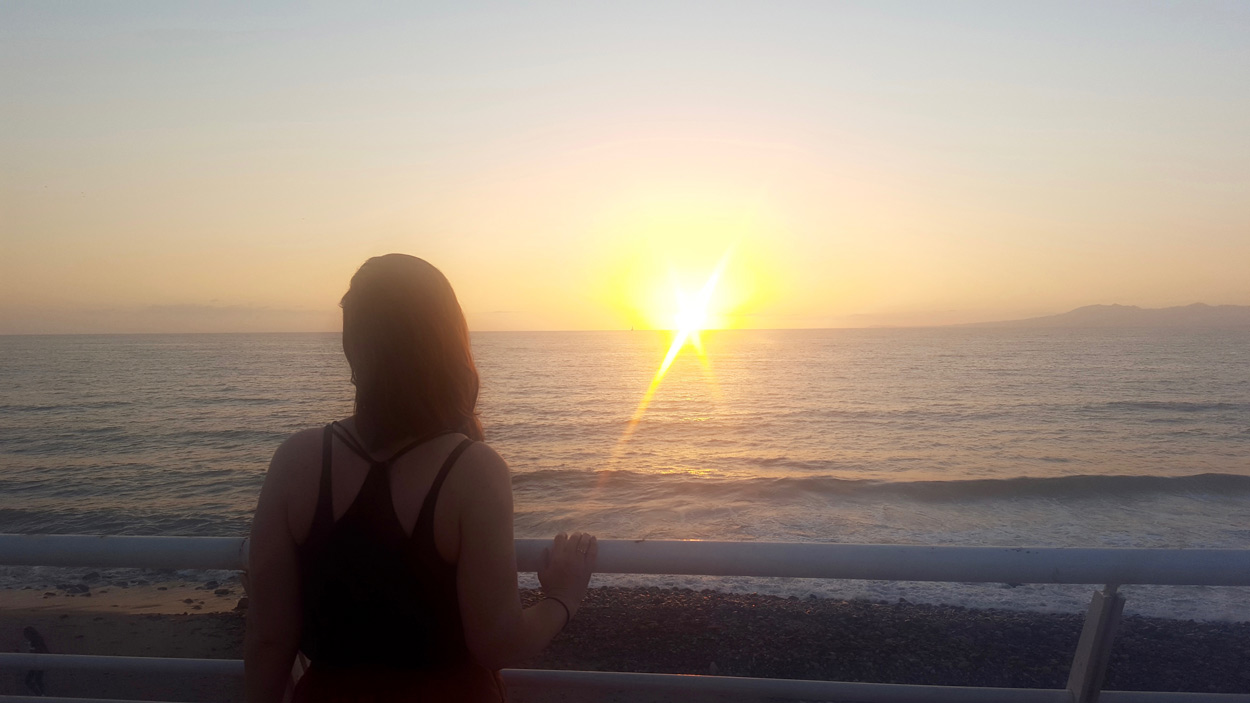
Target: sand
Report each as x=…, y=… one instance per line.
x=167, y=619
x=667, y=631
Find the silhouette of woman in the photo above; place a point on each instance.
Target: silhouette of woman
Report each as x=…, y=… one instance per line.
x=382, y=544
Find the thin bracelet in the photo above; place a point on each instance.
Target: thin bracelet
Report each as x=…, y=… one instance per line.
x=568, y=615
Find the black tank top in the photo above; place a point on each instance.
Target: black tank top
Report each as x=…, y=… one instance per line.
x=373, y=596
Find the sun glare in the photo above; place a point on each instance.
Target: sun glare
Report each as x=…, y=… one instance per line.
x=693, y=316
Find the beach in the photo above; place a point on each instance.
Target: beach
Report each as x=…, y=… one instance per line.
x=679, y=631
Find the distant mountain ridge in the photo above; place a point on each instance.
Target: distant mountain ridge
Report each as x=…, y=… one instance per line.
x=1196, y=315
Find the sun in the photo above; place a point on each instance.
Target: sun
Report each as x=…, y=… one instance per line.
x=693, y=315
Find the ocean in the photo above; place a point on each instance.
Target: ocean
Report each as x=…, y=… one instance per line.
x=942, y=436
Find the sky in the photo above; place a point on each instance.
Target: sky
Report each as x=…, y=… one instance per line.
x=183, y=167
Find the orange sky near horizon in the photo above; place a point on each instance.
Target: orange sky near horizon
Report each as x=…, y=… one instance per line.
x=171, y=169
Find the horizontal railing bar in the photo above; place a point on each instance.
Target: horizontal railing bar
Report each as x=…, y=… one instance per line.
x=677, y=683
x=884, y=562
x=1007, y=695
x=522, y=678
x=894, y=562
x=1111, y=696
x=796, y=689
x=1170, y=697
x=53, y=699
x=120, y=664
x=831, y=690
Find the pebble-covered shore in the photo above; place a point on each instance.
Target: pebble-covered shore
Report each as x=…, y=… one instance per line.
x=686, y=632
x=689, y=632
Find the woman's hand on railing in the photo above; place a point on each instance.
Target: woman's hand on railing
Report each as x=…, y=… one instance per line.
x=566, y=568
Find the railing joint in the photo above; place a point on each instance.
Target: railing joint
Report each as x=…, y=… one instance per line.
x=1093, y=650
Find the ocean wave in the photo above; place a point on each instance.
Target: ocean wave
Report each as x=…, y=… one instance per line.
x=64, y=407
x=1173, y=405
x=119, y=521
x=238, y=434
x=238, y=400
x=1084, y=486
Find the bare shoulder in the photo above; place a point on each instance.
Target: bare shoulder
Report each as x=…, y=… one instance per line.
x=287, y=471
x=296, y=454
x=484, y=460
x=481, y=474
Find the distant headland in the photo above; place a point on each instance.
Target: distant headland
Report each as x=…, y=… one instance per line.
x=1196, y=315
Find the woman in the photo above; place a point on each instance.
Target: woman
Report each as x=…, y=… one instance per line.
x=382, y=544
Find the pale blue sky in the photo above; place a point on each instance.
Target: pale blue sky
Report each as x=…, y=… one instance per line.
x=877, y=163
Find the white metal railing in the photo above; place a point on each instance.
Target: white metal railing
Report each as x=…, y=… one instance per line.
x=880, y=562
x=591, y=682
x=1112, y=567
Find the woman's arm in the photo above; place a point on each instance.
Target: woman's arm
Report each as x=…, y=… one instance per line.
x=273, y=613
x=497, y=631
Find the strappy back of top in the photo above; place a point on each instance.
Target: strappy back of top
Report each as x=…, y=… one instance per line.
x=374, y=596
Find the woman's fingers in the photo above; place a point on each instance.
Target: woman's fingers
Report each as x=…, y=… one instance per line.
x=592, y=552
x=578, y=548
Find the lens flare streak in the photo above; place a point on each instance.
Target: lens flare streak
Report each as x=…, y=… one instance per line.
x=690, y=319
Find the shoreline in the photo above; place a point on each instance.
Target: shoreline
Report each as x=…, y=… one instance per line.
x=156, y=597
x=191, y=591
x=681, y=631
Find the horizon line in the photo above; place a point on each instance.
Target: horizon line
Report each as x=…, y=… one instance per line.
x=661, y=329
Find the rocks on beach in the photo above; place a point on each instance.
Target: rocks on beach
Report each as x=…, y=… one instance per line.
x=686, y=632
x=94, y=582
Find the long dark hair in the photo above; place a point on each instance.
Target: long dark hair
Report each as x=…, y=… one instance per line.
x=408, y=345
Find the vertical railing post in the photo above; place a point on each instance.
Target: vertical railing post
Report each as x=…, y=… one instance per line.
x=1093, y=651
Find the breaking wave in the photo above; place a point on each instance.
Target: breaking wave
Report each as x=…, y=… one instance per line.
x=781, y=488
